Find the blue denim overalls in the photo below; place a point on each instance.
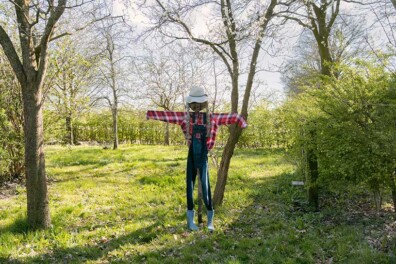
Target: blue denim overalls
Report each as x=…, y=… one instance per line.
x=198, y=160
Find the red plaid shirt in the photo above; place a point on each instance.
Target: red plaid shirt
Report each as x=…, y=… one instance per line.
x=216, y=120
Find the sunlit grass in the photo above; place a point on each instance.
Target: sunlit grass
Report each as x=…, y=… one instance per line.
x=128, y=206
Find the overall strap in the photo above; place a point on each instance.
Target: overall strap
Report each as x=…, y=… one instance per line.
x=204, y=118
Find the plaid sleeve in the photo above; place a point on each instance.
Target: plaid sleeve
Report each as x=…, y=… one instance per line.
x=227, y=119
x=210, y=141
x=166, y=116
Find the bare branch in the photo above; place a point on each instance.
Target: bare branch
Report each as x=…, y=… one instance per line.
x=12, y=55
x=334, y=15
x=82, y=28
x=53, y=19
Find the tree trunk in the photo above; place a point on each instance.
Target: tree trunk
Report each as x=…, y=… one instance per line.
x=166, y=139
x=393, y=189
x=115, y=128
x=36, y=181
x=69, y=130
x=313, y=167
x=222, y=173
x=394, y=3
x=235, y=132
x=313, y=175
x=325, y=55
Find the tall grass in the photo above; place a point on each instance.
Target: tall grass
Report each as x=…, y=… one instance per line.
x=128, y=206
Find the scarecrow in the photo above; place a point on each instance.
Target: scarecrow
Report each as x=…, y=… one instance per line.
x=200, y=131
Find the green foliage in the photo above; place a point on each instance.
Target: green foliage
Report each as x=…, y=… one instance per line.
x=260, y=127
x=359, y=139
x=266, y=128
x=349, y=121
x=69, y=81
x=4, y=161
x=11, y=125
x=132, y=128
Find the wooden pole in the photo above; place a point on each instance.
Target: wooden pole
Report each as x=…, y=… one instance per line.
x=199, y=198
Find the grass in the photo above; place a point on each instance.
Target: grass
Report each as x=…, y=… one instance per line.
x=128, y=206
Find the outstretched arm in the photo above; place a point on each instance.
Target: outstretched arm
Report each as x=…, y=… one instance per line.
x=227, y=119
x=167, y=116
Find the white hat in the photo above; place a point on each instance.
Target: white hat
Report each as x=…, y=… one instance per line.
x=197, y=95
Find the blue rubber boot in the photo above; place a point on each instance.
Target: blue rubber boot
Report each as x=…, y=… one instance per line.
x=190, y=221
x=210, y=220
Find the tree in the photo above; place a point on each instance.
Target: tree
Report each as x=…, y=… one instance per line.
x=72, y=71
x=336, y=42
x=113, y=69
x=229, y=32
x=167, y=75
x=360, y=101
x=30, y=69
x=346, y=42
x=383, y=40
x=37, y=26
x=318, y=17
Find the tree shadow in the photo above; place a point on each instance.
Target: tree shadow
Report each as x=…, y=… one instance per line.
x=97, y=249
x=250, y=235
x=73, y=175
x=18, y=226
x=273, y=228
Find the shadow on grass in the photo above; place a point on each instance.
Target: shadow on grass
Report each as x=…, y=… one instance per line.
x=92, y=157
x=95, y=250
x=274, y=229
x=19, y=226
x=74, y=175
x=259, y=152
x=253, y=237
x=6, y=260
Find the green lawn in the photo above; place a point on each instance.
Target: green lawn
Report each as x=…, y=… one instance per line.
x=128, y=206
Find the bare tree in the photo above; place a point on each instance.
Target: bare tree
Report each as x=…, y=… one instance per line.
x=112, y=81
x=346, y=42
x=383, y=40
x=163, y=87
x=167, y=74
x=234, y=25
x=37, y=25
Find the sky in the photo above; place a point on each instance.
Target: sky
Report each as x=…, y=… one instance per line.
x=272, y=80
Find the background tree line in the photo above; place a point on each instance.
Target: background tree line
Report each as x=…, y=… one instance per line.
x=133, y=128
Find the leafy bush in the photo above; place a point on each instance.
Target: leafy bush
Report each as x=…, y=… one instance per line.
x=11, y=134
x=349, y=121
